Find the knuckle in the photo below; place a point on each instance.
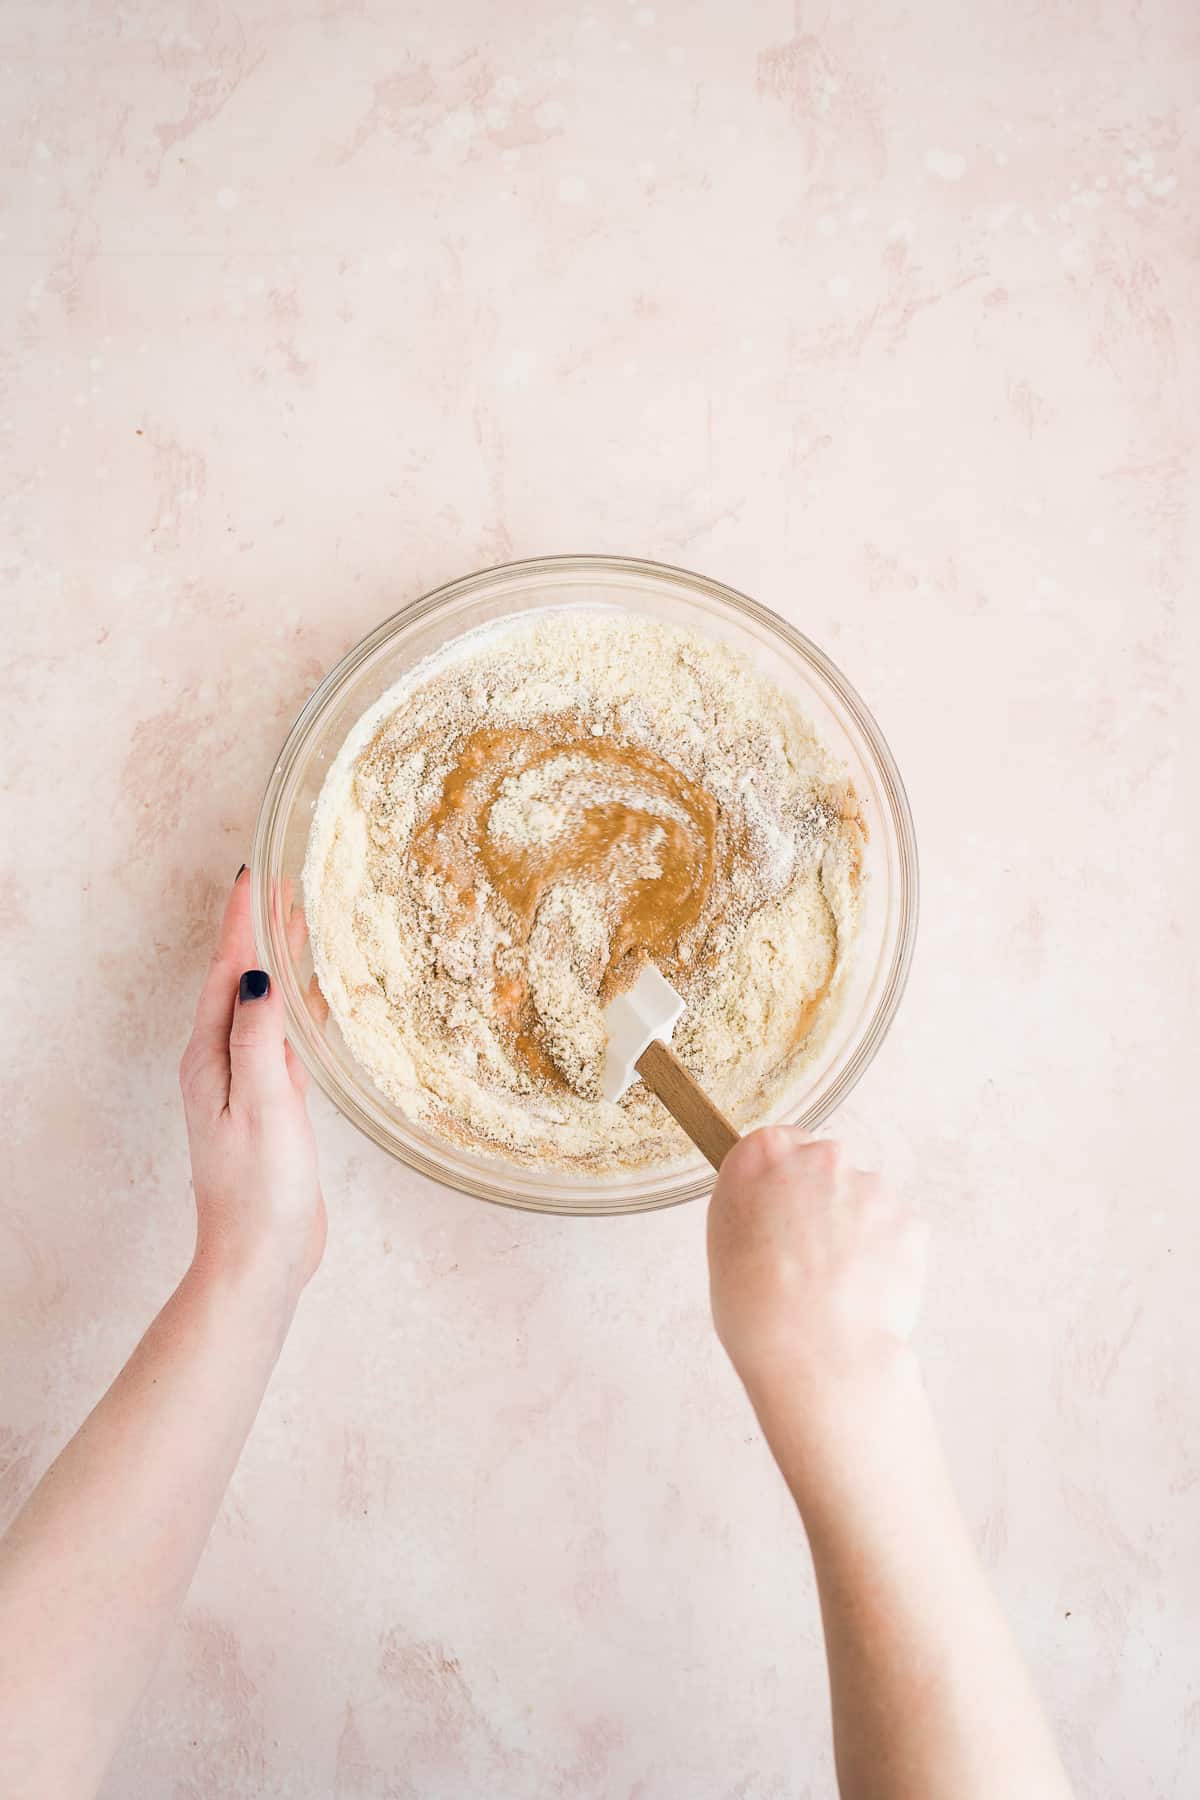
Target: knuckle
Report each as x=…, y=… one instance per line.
x=773, y=1144
x=878, y=1205
x=750, y=1157
x=763, y=1151
x=826, y=1156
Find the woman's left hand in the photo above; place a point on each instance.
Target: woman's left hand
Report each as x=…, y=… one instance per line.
x=254, y=1159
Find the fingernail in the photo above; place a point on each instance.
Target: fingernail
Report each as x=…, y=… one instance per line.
x=239, y=875
x=254, y=985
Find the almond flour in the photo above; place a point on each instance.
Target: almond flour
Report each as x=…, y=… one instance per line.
x=523, y=820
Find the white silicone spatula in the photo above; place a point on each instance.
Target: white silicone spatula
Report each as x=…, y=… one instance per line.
x=640, y=1023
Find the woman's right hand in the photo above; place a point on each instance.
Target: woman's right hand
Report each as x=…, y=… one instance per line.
x=816, y=1270
x=816, y=1283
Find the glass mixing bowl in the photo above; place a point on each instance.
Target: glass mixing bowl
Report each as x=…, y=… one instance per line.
x=883, y=951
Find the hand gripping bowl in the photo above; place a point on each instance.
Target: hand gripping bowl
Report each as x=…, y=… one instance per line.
x=883, y=949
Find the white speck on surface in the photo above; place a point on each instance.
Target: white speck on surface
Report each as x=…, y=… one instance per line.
x=947, y=165
x=839, y=286
x=41, y=151
x=1047, y=586
x=571, y=190
x=516, y=368
x=826, y=226
x=227, y=198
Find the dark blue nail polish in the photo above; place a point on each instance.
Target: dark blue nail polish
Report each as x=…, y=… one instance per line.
x=254, y=985
x=239, y=875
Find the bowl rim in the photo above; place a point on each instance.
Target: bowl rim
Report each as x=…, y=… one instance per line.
x=587, y=563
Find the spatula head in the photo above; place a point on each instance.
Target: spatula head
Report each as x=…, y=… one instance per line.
x=649, y=1009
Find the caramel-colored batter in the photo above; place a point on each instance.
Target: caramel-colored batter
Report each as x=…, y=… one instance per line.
x=652, y=915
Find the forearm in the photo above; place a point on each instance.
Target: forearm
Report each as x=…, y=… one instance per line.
x=94, y=1568
x=930, y=1697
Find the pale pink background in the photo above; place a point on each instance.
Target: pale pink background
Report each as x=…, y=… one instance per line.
x=891, y=323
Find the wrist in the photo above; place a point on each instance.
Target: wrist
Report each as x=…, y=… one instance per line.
x=834, y=1424
x=251, y=1284
x=796, y=1379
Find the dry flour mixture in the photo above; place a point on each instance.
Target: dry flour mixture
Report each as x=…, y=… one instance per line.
x=525, y=818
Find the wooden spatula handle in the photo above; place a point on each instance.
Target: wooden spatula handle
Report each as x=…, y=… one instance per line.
x=686, y=1101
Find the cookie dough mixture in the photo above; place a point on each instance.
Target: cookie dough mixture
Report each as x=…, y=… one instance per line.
x=528, y=816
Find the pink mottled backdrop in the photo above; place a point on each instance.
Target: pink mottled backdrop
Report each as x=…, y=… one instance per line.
x=886, y=314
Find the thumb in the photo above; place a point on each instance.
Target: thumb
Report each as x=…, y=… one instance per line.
x=257, y=1055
